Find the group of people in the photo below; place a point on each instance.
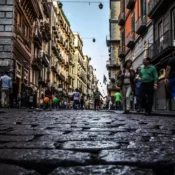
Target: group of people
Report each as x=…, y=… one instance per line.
x=143, y=83
x=140, y=84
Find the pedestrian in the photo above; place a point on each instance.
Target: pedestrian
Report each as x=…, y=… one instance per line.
x=117, y=97
x=82, y=102
x=97, y=101
x=6, y=86
x=76, y=96
x=138, y=90
x=107, y=101
x=149, y=77
x=132, y=101
x=127, y=76
x=48, y=94
x=170, y=75
x=110, y=105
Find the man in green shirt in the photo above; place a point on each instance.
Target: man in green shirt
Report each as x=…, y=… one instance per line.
x=117, y=97
x=148, y=76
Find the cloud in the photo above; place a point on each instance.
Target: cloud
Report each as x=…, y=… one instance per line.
x=68, y=14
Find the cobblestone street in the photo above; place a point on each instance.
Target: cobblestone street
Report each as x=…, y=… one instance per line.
x=86, y=142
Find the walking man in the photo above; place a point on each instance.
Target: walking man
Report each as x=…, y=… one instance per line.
x=148, y=76
x=117, y=97
x=76, y=98
x=97, y=101
x=6, y=86
x=108, y=98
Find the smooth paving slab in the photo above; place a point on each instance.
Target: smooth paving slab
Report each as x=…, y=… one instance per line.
x=86, y=142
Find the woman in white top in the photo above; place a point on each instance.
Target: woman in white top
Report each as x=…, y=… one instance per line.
x=127, y=76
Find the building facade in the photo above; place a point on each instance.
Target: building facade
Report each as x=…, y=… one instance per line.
x=136, y=31
x=162, y=14
x=80, y=75
x=39, y=49
x=147, y=29
x=113, y=43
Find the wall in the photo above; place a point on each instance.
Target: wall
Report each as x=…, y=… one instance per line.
x=137, y=53
x=6, y=26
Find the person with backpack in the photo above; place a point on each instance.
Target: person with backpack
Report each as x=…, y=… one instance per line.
x=117, y=97
x=76, y=97
x=170, y=75
x=6, y=86
x=82, y=102
x=97, y=101
x=138, y=90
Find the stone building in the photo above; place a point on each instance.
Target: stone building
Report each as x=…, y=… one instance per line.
x=162, y=14
x=21, y=43
x=39, y=49
x=79, y=70
x=113, y=43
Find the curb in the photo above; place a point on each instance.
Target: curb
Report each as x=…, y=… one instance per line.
x=141, y=113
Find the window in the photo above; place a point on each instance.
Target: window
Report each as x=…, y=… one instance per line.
x=160, y=34
x=143, y=8
x=173, y=26
x=133, y=25
x=123, y=6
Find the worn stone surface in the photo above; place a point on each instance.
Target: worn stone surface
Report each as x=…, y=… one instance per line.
x=6, y=169
x=102, y=170
x=87, y=142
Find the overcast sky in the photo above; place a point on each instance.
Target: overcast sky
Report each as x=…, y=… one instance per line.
x=91, y=22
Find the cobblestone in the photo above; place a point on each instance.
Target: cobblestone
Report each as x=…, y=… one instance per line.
x=86, y=142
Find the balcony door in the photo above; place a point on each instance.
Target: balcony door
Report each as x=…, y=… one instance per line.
x=160, y=35
x=143, y=8
x=173, y=26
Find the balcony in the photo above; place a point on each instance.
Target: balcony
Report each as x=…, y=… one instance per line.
x=156, y=7
x=121, y=52
x=121, y=19
x=46, y=60
x=45, y=29
x=141, y=25
x=112, y=65
x=114, y=40
x=42, y=81
x=37, y=38
x=162, y=47
x=112, y=87
x=37, y=64
x=130, y=4
x=46, y=8
x=130, y=40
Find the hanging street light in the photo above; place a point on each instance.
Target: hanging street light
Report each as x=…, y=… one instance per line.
x=100, y=5
x=89, y=2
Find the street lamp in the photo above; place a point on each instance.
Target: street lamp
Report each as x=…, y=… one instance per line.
x=89, y=2
x=100, y=6
x=60, y=5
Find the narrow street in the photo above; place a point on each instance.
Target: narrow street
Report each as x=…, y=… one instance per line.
x=85, y=142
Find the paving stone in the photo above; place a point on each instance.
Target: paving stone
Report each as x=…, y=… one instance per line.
x=44, y=156
x=156, y=157
x=90, y=146
x=28, y=145
x=7, y=138
x=15, y=170
x=102, y=170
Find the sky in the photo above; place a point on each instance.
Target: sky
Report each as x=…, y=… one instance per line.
x=91, y=22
